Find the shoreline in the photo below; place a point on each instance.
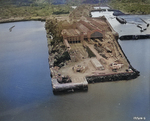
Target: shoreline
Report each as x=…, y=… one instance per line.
x=18, y=19
x=38, y=18
x=131, y=8
x=59, y=87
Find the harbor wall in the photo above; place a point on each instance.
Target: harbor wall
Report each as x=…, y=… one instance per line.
x=112, y=77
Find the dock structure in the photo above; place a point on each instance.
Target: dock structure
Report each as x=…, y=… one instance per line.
x=77, y=84
x=95, y=56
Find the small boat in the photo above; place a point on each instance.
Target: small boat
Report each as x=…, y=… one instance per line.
x=140, y=26
x=142, y=29
x=145, y=22
x=121, y=20
x=10, y=29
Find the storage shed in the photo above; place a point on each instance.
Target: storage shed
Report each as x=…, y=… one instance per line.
x=97, y=64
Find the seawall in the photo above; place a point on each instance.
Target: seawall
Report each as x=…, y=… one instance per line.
x=112, y=77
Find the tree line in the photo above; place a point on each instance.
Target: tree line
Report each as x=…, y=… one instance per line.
x=71, y=2
x=132, y=6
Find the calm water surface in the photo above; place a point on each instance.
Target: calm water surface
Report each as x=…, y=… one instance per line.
x=26, y=91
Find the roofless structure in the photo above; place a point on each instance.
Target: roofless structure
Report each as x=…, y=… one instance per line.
x=80, y=31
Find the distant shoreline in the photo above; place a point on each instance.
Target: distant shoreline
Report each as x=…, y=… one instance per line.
x=132, y=8
x=18, y=19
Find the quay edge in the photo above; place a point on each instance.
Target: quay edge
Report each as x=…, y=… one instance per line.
x=112, y=77
x=68, y=87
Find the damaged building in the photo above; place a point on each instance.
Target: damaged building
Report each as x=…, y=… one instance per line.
x=82, y=30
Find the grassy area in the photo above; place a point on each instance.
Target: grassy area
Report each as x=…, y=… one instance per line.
x=90, y=53
x=54, y=28
x=132, y=7
x=43, y=10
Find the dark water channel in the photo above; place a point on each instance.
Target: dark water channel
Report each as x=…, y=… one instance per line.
x=25, y=84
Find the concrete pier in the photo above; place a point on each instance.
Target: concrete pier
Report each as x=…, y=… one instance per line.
x=81, y=84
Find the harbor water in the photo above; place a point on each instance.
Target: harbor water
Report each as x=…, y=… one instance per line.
x=25, y=83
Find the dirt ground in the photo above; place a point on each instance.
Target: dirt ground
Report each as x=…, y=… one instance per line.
x=79, y=56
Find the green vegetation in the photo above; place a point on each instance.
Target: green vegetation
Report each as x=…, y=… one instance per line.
x=132, y=6
x=61, y=9
x=60, y=59
x=54, y=28
x=80, y=11
x=41, y=10
x=75, y=2
x=90, y=53
x=26, y=2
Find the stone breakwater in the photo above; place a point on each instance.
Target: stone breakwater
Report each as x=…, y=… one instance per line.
x=112, y=77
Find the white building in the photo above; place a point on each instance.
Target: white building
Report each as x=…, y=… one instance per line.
x=97, y=64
